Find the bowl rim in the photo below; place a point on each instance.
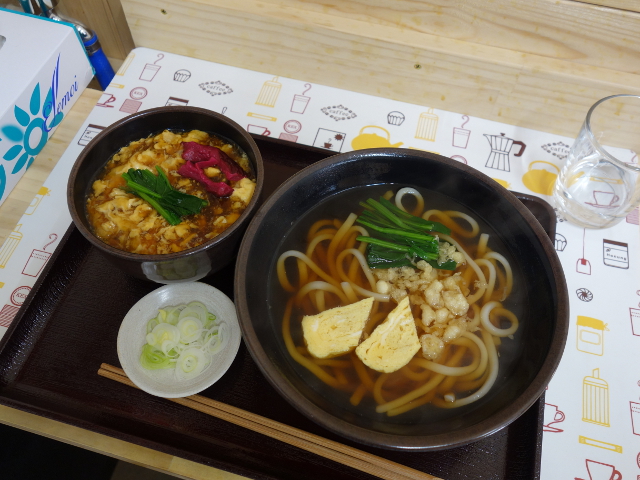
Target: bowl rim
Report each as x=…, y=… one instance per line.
x=485, y=427
x=163, y=257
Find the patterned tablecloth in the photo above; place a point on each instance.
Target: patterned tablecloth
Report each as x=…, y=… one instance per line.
x=592, y=414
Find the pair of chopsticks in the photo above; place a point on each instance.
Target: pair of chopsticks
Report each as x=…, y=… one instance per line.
x=335, y=451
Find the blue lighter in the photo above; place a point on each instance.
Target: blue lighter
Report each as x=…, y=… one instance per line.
x=99, y=62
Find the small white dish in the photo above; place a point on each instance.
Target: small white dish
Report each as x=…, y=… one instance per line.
x=133, y=331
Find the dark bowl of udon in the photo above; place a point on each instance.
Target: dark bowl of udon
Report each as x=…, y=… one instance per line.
x=188, y=265
x=363, y=410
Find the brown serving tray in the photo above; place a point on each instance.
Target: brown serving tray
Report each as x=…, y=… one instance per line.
x=68, y=326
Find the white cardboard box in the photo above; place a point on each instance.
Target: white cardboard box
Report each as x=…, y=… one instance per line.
x=43, y=70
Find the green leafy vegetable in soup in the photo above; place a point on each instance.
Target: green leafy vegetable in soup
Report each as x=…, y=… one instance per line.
x=399, y=239
x=169, y=202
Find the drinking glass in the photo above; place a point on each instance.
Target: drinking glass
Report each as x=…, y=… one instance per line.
x=599, y=183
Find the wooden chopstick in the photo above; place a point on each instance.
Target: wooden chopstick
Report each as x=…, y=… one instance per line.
x=335, y=451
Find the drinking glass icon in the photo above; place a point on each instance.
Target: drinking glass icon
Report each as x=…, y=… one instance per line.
x=38, y=259
x=149, y=72
x=151, y=69
x=635, y=321
x=461, y=135
x=36, y=262
x=635, y=417
x=300, y=102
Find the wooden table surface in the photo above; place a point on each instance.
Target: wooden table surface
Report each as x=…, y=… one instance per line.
x=10, y=212
x=23, y=193
x=533, y=63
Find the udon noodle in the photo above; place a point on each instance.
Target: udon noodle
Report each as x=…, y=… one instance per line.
x=331, y=270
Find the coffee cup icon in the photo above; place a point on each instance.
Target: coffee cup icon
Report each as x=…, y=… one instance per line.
x=259, y=130
x=604, y=199
x=552, y=415
x=105, y=100
x=602, y=471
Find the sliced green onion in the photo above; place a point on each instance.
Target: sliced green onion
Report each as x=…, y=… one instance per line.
x=190, y=329
x=191, y=362
x=183, y=337
x=152, y=324
x=153, y=359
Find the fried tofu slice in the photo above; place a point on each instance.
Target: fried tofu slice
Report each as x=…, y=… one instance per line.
x=393, y=343
x=336, y=331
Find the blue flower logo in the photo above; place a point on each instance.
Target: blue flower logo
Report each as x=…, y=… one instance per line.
x=32, y=137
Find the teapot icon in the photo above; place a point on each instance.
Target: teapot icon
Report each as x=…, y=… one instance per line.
x=373, y=140
x=500, y=148
x=539, y=180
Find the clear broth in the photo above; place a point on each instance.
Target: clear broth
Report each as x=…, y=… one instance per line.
x=340, y=206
